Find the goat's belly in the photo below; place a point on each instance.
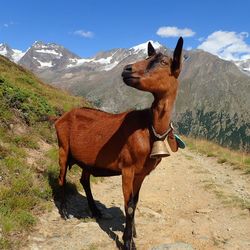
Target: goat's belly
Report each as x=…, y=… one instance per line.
x=100, y=172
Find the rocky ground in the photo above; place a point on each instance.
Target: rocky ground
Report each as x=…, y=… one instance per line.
x=189, y=199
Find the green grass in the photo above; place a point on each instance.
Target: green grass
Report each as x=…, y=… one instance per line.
x=27, y=141
x=224, y=155
x=26, y=102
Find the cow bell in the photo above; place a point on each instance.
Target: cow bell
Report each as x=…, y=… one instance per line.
x=159, y=150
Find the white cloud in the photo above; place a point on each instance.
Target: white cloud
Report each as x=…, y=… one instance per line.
x=171, y=31
x=228, y=45
x=7, y=25
x=82, y=33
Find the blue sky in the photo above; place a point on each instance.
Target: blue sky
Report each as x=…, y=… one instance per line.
x=87, y=27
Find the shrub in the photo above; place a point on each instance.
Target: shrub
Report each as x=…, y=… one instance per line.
x=32, y=107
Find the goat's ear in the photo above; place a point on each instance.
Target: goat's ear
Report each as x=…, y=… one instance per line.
x=151, y=50
x=177, y=58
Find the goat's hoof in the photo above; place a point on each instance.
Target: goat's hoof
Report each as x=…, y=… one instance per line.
x=64, y=213
x=129, y=245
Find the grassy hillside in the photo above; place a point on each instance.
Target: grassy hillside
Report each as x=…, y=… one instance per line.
x=28, y=152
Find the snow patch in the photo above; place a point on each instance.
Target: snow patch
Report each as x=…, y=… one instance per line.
x=49, y=51
x=246, y=69
x=45, y=64
x=3, y=52
x=110, y=66
x=144, y=46
x=243, y=65
x=17, y=55
x=68, y=75
x=105, y=61
x=78, y=62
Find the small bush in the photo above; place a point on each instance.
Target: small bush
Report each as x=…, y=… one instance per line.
x=33, y=107
x=25, y=219
x=3, y=152
x=222, y=160
x=5, y=243
x=210, y=154
x=45, y=131
x=26, y=80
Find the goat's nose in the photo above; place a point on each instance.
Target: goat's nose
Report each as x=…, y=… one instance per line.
x=128, y=68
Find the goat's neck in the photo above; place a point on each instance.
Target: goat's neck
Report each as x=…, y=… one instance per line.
x=161, y=113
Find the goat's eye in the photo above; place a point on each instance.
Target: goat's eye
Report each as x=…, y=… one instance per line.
x=164, y=63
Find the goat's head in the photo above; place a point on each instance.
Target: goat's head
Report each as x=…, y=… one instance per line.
x=157, y=74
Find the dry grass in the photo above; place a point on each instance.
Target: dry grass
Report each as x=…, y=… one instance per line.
x=238, y=159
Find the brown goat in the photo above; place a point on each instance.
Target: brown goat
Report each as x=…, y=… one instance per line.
x=104, y=144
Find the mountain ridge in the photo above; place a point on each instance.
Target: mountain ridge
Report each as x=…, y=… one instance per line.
x=6, y=50
x=213, y=100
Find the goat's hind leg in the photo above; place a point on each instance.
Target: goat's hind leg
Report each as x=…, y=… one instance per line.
x=85, y=181
x=63, y=158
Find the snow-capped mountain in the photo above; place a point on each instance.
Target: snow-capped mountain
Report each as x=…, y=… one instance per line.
x=58, y=66
x=50, y=56
x=105, y=61
x=41, y=56
x=13, y=54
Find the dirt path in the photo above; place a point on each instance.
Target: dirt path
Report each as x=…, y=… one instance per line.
x=188, y=198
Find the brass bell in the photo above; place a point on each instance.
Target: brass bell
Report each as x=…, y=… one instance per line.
x=159, y=150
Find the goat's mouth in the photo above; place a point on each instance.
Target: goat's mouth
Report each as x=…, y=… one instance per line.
x=129, y=79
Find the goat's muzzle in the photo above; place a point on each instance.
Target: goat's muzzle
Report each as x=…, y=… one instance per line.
x=128, y=76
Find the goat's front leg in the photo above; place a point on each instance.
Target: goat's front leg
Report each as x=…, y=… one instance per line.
x=127, y=186
x=138, y=179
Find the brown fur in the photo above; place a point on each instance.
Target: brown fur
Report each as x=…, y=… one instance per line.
x=104, y=144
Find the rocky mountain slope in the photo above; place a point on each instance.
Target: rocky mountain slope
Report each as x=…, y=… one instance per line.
x=244, y=65
x=213, y=100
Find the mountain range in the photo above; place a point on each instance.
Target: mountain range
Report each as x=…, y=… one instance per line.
x=213, y=101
